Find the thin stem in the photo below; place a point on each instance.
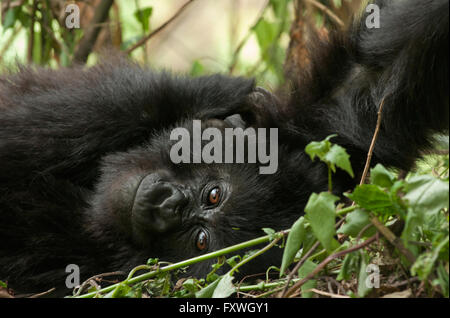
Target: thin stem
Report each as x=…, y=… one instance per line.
x=188, y=262
x=372, y=144
x=265, y=285
x=347, y=210
x=374, y=220
x=248, y=259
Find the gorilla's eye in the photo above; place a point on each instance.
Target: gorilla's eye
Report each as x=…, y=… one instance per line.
x=201, y=241
x=214, y=196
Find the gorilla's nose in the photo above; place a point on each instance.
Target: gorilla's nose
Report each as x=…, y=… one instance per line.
x=157, y=206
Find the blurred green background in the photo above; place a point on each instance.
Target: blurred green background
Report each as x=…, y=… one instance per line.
x=238, y=37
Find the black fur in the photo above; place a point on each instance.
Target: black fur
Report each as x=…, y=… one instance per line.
x=70, y=138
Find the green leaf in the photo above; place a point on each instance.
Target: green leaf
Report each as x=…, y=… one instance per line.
x=309, y=239
x=234, y=260
x=371, y=197
x=321, y=213
x=425, y=262
x=363, y=288
x=208, y=291
x=426, y=195
x=307, y=268
x=442, y=280
x=350, y=265
x=293, y=243
x=197, y=69
x=120, y=291
x=380, y=176
x=143, y=16
x=220, y=288
x=333, y=155
x=225, y=287
x=355, y=222
x=319, y=148
x=279, y=7
x=11, y=16
x=338, y=156
x=25, y=18
x=190, y=285
x=152, y=261
x=269, y=231
x=266, y=33
x=135, y=291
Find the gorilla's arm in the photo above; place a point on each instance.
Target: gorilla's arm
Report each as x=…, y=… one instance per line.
x=404, y=62
x=61, y=122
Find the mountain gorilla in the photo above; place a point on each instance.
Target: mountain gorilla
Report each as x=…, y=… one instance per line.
x=85, y=172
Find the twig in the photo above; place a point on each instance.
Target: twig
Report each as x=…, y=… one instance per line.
x=254, y=255
x=320, y=292
x=93, y=278
x=394, y=240
x=372, y=144
x=43, y=293
x=328, y=12
x=405, y=282
x=322, y=265
x=159, y=29
x=90, y=37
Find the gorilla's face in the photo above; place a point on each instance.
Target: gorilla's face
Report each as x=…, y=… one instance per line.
x=177, y=211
